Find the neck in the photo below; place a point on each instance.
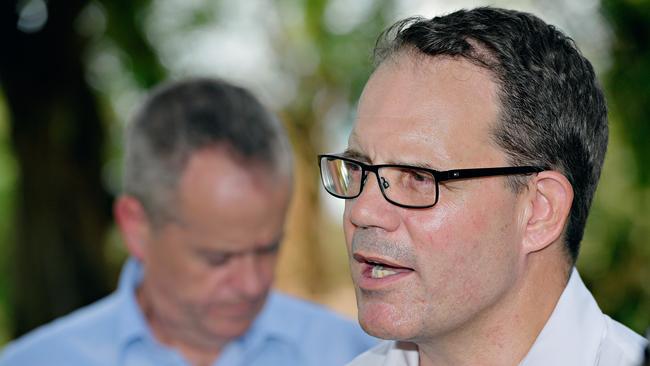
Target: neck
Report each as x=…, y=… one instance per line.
x=197, y=350
x=504, y=333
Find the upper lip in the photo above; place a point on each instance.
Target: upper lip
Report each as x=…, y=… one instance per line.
x=373, y=259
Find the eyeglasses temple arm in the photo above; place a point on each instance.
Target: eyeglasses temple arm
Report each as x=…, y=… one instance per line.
x=486, y=172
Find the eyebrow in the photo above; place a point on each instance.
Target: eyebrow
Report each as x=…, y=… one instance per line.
x=271, y=245
x=213, y=252
x=274, y=246
x=357, y=155
x=415, y=164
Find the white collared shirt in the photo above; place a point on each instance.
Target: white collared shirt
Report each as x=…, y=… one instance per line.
x=576, y=334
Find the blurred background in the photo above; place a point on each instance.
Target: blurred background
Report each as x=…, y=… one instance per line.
x=71, y=75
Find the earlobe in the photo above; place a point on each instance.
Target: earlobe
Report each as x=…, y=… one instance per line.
x=550, y=198
x=133, y=224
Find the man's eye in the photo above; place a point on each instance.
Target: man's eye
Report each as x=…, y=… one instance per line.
x=271, y=249
x=417, y=181
x=417, y=176
x=421, y=177
x=353, y=167
x=216, y=260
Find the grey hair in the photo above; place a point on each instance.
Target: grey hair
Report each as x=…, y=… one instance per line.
x=182, y=117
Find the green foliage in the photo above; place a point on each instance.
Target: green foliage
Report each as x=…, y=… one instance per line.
x=616, y=249
x=628, y=82
x=7, y=184
x=125, y=27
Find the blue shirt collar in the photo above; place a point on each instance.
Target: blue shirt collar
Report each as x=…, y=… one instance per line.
x=133, y=327
x=270, y=324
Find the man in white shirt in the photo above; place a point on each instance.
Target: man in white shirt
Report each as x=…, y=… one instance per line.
x=468, y=177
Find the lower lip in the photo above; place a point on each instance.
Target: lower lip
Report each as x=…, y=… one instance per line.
x=366, y=282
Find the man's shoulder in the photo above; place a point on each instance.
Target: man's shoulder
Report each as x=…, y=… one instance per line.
x=316, y=314
x=319, y=334
x=620, y=345
x=67, y=338
x=578, y=333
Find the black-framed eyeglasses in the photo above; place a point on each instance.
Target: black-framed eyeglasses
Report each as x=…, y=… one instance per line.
x=402, y=185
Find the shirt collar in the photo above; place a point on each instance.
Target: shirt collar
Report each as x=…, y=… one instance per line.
x=573, y=333
x=269, y=324
x=131, y=322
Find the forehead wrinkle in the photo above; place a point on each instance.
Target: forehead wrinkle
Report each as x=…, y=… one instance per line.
x=411, y=163
x=357, y=155
x=416, y=130
x=396, y=155
x=353, y=154
x=202, y=247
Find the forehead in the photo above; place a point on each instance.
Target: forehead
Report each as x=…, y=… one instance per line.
x=436, y=109
x=230, y=204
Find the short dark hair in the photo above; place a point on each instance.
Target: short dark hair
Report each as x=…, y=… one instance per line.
x=181, y=117
x=553, y=111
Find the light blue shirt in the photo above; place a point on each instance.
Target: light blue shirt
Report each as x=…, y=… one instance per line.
x=113, y=331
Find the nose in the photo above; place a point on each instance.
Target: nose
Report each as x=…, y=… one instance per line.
x=252, y=280
x=370, y=208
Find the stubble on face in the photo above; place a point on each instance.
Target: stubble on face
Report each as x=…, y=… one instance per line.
x=435, y=112
x=376, y=306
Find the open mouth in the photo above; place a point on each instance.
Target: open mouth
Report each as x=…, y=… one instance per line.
x=379, y=268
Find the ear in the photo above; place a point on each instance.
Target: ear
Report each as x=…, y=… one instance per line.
x=133, y=224
x=549, y=202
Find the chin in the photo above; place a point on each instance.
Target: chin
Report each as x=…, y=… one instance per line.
x=228, y=331
x=394, y=332
x=384, y=321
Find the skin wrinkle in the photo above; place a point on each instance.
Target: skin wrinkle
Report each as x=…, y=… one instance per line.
x=208, y=174
x=468, y=259
x=370, y=241
x=422, y=111
x=190, y=303
x=475, y=89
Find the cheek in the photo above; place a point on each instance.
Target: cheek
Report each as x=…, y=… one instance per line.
x=348, y=228
x=459, y=227
x=442, y=242
x=462, y=247
x=266, y=268
x=189, y=278
x=441, y=230
x=211, y=286
x=226, y=283
x=199, y=283
x=170, y=267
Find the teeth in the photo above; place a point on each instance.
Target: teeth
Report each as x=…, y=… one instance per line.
x=381, y=272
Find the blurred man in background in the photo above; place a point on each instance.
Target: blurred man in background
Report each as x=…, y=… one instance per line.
x=468, y=175
x=207, y=183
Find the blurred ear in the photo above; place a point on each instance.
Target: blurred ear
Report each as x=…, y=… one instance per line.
x=133, y=224
x=550, y=197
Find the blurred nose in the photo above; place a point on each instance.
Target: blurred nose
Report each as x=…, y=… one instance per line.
x=371, y=209
x=252, y=280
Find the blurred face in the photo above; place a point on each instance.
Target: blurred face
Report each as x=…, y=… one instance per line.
x=207, y=274
x=425, y=273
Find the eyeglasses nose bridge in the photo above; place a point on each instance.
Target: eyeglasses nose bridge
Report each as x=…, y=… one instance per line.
x=374, y=170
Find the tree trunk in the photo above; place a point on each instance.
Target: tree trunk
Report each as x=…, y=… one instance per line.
x=61, y=208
